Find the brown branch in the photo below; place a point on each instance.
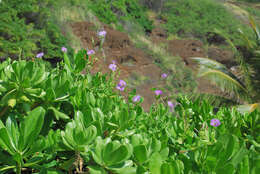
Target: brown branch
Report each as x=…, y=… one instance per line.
x=4, y=111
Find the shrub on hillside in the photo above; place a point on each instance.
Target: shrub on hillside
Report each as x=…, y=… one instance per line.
x=109, y=11
x=27, y=28
x=199, y=19
x=61, y=121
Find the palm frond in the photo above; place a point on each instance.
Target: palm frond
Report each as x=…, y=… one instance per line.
x=250, y=44
x=222, y=34
x=207, y=64
x=212, y=99
x=220, y=75
x=255, y=28
x=248, y=108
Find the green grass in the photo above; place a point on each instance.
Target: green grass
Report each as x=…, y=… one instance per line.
x=181, y=78
x=120, y=11
x=199, y=18
x=253, y=11
x=27, y=28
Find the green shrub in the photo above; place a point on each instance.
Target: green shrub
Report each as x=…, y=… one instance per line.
x=60, y=121
x=109, y=11
x=27, y=28
x=199, y=18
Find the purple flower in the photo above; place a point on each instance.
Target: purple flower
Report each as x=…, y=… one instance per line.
x=64, y=49
x=171, y=105
x=90, y=52
x=39, y=55
x=102, y=33
x=121, y=85
x=158, y=92
x=112, y=67
x=113, y=61
x=164, y=75
x=136, y=98
x=215, y=122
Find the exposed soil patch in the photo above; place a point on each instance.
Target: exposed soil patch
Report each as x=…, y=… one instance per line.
x=135, y=64
x=130, y=60
x=186, y=49
x=223, y=56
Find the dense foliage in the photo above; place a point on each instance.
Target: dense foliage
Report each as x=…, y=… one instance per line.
x=109, y=11
x=29, y=27
x=26, y=28
x=199, y=19
x=61, y=121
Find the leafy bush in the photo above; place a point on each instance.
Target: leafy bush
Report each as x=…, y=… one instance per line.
x=109, y=11
x=26, y=29
x=62, y=121
x=199, y=18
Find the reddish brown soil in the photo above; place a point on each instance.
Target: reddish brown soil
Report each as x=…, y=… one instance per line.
x=134, y=63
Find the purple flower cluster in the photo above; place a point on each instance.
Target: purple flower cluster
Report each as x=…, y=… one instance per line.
x=90, y=52
x=40, y=55
x=121, y=85
x=171, y=105
x=64, y=49
x=164, y=75
x=136, y=98
x=215, y=122
x=102, y=33
x=158, y=92
x=112, y=66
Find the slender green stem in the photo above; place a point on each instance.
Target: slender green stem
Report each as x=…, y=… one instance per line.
x=18, y=168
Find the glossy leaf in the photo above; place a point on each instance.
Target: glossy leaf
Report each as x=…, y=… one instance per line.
x=31, y=126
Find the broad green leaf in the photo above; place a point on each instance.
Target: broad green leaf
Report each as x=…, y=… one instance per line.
x=167, y=168
x=155, y=163
x=50, y=94
x=39, y=75
x=5, y=141
x=164, y=153
x=140, y=153
x=115, y=153
x=38, y=146
x=156, y=145
x=31, y=126
x=136, y=139
x=238, y=157
x=67, y=136
x=228, y=168
x=13, y=131
x=231, y=145
x=123, y=168
x=67, y=61
x=96, y=170
x=35, y=92
x=91, y=98
x=97, y=152
x=244, y=166
x=66, y=165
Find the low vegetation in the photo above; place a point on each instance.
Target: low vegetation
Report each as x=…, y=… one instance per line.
x=61, y=121
x=199, y=18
